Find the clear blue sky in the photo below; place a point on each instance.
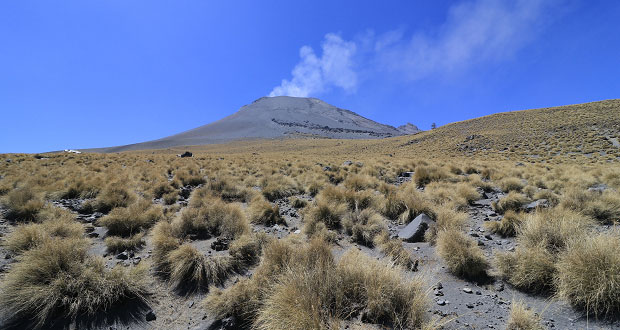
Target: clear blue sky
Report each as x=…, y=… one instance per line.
x=78, y=74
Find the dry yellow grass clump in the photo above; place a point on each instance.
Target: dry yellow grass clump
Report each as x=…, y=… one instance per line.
x=279, y=186
x=393, y=248
x=543, y=236
x=191, y=270
x=588, y=274
x=446, y=219
x=210, y=217
x=406, y=203
x=262, y=212
x=332, y=291
x=58, y=278
x=507, y=226
x=29, y=236
x=462, y=255
x=23, y=204
x=112, y=196
x=363, y=226
x=514, y=201
x=130, y=220
x=187, y=268
x=603, y=207
x=329, y=214
x=522, y=318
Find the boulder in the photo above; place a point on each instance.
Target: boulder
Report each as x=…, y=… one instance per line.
x=482, y=202
x=488, y=195
x=185, y=192
x=599, y=188
x=414, y=231
x=536, y=204
x=185, y=154
x=347, y=163
x=490, y=213
x=150, y=316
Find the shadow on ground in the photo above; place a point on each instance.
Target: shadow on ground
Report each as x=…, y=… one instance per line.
x=129, y=313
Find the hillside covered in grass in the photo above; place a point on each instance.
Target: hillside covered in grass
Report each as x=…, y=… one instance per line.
x=583, y=133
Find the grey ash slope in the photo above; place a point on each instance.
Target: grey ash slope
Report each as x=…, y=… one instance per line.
x=276, y=117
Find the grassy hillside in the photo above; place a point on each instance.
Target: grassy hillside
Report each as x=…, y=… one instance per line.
x=581, y=131
x=574, y=133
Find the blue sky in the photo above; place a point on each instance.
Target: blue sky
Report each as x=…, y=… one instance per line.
x=78, y=74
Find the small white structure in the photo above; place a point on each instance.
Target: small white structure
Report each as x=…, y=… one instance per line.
x=73, y=151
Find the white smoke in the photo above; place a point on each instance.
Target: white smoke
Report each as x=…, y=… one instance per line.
x=478, y=31
x=316, y=74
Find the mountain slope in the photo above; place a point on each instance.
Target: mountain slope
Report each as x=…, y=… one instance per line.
x=588, y=132
x=275, y=117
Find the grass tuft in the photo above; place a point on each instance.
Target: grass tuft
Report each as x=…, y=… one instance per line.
x=529, y=269
x=507, y=226
x=364, y=226
x=127, y=221
x=462, y=255
x=262, y=212
x=60, y=279
x=210, y=217
x=426, y=174
x=117, y=244
x=514, y=201
x=191, y=270
x=28, y=236
x=23, y=205
x=588, y=274
x=300, y=286
x=522, y=318
x=328, y=213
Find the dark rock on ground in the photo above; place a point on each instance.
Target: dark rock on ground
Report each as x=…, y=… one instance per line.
x=150, y=316
x=482, y=202
x=541, y=203
x=220, y=244
x=228, y=323
x=185, y=154
x=414, y=231
x=185, y=192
